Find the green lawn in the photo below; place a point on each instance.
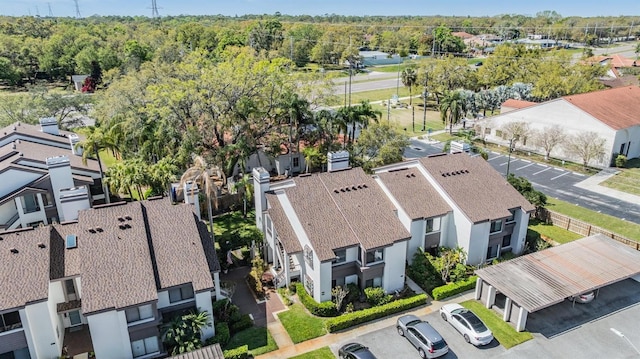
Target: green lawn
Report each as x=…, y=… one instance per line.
x=322, y=353
x=552, y=232
x=378, y=95
x=258, y=339
x=502, y=331
x=444, y=137
x=627, y=180
x=616, y=225
x=233, y=221
x=301, y=325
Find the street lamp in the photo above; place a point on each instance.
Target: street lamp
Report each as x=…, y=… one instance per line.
x=510, y=150
x=619, y=333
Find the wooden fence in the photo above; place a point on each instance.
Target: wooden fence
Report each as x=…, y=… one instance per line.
x=580, y=227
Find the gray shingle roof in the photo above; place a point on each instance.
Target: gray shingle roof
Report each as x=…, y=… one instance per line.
x=414, y=193
x=477, y=189
x=24, y=275
x=285, y=231
x=344, y=208
x=24, y=130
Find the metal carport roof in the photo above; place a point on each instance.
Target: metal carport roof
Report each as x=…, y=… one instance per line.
x=539, y=280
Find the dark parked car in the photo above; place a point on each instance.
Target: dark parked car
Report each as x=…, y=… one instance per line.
x=355, y=351
x=421, y=334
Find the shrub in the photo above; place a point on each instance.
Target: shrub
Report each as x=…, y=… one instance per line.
x=222, y=335
x=324, y=309
x=376, y=296
x=423, y=272
x=255, y=282
x=450, y=289
x=285, y=296
x=350, y=319
x=223, y=310
x=461, y=272
x=243, y=322
x=354, y=293
x=621, y=161
x=237, y=353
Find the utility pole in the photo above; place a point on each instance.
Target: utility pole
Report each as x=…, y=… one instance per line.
x=154, y=9
x=630, y=28
x=78, y=15
x=424, y=97
x=510, y=150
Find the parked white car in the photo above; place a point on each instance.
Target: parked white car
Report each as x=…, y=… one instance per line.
x=583, y=298
x=467, y=323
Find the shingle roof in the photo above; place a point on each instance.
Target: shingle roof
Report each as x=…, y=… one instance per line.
x=285, y=231
x=116, y=267
x=618, y=108
x=414, y=193
x=344, y=208
x=24, y=275
x=25, y=131
x=39, y=152
x=176, y=239
x=479, y=191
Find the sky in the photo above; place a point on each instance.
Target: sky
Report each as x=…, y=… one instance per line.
x=585, y=8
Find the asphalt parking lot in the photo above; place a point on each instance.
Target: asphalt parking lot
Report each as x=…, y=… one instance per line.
x=560, y=331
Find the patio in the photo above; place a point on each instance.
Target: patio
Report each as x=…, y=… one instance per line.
x=77, y=341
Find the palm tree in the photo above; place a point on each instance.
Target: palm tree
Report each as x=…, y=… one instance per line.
x=161, y=174
x=95, y=141
x=452, y=108
x=199, y=173
x=409, y=79
x=183, y=334
x=245, y=184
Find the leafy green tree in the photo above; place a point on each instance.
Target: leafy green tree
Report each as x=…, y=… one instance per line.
x=184, y=333
x=447, y=260
x=379, y=145
x=452, y=109
x=526, y=189
x=8, y=72
x=266, y=36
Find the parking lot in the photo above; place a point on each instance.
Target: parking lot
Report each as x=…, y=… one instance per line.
x=561, y=331
x=537, y=172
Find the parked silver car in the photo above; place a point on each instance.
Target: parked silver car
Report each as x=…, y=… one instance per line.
x=355, y=351
x=421, y=334
x=583, y=298
x=467, y=323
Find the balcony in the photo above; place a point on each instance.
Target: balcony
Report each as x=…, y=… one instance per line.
x=77, y=341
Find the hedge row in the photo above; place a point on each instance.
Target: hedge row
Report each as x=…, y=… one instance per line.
x=350, y=319
x=324, y=309
x=237, y=353
x=450, y=289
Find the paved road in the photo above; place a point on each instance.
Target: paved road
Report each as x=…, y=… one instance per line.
x=367, y=86
x=554, y=182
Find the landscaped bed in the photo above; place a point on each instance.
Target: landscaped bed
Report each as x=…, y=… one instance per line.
x=322, y=353
x=258, y=340
x=301, y=325
x=502, y=331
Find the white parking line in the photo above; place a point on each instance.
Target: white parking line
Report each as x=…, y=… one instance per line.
x=491, y=159
x=546, y=169
x=564, y=174
x=530, y=164
x=579, y=174
x=527, y=161
x=558, y=169
x=512, y=161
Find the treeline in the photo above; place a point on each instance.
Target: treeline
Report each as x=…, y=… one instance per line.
x=55, y=48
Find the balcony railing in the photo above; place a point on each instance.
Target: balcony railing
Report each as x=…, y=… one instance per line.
x=10, y=327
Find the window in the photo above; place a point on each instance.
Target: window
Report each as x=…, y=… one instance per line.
x=375, y=255
x=308, y=283
x=30, y=203
x=492, y=252
x=496, y=226
x=70, y=288
x=179, y=294
x=145, y=346
x=308, y=255
x=71, y=241
x=341, y=256
x=512, y=217
x=506, y=241
x=296, y=162
x=139, y=313
x=433, y=225
x=373, y=282
x=10, y=321
x=47, y=200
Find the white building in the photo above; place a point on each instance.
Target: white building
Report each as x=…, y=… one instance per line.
x=107, y=280
x=40, y=168
x=614, y=114
x=345, y=226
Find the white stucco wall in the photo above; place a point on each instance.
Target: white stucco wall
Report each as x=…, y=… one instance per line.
x=322, y=292
x=352, y=254
x=519, y=236
x=394, y=264
x=625, y=136
x=40, y=330
x=203, y=303
x=416, y=229
x=110, y=335
x=556, y=112
x=56, y=295
x=477, y=247
x=7, y=211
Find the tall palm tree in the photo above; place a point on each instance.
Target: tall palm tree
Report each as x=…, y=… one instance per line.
x=452, y=108
x=245, y=183
x=97, y=139
x=199, y=173
x=409, y=79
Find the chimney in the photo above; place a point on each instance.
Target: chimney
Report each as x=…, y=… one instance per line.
x=61, y=178
x=73, y=140
x=191, y=192
x=49, y=125
x=72, y=201
x=337, y=161
x=260, y=186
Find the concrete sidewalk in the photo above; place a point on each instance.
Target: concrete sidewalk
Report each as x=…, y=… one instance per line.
x=287, y=351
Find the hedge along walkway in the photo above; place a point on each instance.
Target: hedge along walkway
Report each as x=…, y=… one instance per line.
x=349, y=334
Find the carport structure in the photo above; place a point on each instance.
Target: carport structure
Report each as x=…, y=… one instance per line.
x=542, y=279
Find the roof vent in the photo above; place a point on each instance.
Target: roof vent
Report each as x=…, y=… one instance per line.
x=359, y=186
x=354, y=188
x=443, y=175
x=335, y=190
x=41, y=245
x=364, y=185
x=122, y=226
x=99, y=229
x=348, y=189
x=91, y=230
x=13, y=250
x=466, y=171
x=127, y=226
x=128, y=218
x=341, y=189
x=120, y=219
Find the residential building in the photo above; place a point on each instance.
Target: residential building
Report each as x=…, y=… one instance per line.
x=613, y=114
x=40, y=170
x=113, y=276
x=345, y=226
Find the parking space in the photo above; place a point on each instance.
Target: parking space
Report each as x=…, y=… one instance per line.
x=535, y=172
x=386, y=343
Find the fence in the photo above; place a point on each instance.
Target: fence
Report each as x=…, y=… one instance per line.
x=580, y=227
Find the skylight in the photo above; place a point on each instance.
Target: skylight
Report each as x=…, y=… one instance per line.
x=71, y=241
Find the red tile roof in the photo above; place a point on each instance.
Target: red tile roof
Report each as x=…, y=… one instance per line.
x=618, y=108
x=518, y=104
